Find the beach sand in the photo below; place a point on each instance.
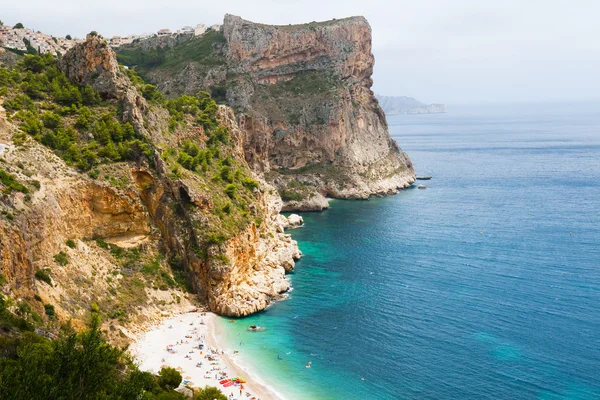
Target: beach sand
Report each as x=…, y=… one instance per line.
x=150, y=350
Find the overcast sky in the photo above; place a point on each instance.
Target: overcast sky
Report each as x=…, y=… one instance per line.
x=454, y=51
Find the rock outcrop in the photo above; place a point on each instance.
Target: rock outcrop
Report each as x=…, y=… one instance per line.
x=94, y=63
x=302, y=95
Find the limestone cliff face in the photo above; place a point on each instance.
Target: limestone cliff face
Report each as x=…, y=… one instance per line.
x=346, y=152
x=302, y=94
x=275, y=53
x=69, y=206
x=163, y=215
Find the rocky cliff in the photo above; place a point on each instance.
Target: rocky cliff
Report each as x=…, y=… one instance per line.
x=96, y=214
x=302, y=96
x=119, y=199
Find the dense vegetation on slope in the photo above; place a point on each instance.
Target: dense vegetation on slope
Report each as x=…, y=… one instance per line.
x=73, y=120
x=76, y=366
x=87, y=131
x=201, y=50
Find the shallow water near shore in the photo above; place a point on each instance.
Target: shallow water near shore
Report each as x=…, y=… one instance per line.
x=484, y=285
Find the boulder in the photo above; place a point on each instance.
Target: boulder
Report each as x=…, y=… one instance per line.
x=295, y=221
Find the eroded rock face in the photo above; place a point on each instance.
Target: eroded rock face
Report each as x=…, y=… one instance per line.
x=346, y=152
x=93, y=63
x=302, y=95
x=277, y=53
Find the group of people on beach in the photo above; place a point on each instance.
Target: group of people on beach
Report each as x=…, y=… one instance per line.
x=211, y=357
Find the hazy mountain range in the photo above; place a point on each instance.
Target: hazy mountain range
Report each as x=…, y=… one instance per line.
x=395, y=105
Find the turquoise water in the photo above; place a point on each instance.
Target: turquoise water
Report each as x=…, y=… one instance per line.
x=484, y=286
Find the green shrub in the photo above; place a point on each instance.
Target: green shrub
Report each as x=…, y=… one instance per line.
x=61, y=258
x=71, y=243
x=89, y=96
x=209, y=393
x=249, y=183
x=226, y=208
x=49, y=309
x=225, y=174
x=102, y=244
x=230, y=190
x=84, y=118
x=168, y=279
x=290, y=195
x=36, y=317
x=169, y=378
x=151, y=268
x=24, y=308
x=19, y=102
x=152, y=94
x=42, y=275
x=50, y=120
x=215, y=238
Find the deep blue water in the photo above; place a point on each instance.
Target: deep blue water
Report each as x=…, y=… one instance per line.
x=486, y=285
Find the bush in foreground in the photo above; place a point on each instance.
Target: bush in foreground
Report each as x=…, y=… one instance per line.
x=78, y=366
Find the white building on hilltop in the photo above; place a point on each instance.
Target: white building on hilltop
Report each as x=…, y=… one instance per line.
x=40, y=42
x=199, y=29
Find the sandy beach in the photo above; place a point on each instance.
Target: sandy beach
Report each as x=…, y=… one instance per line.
x=188, y=342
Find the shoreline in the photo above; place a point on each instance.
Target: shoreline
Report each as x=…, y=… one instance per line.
x=266, y=392
x=174, y=342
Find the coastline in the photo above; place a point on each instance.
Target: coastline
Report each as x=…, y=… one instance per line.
x=184, y=332
x=255, y=381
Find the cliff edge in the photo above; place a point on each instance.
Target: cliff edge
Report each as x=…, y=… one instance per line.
x=302, y=95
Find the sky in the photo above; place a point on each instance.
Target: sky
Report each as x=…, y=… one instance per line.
x=438, y=51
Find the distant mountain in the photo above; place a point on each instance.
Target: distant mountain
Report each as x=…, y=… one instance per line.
x=395, y=105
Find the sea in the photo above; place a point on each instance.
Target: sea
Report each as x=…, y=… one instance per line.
x=485, y=285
